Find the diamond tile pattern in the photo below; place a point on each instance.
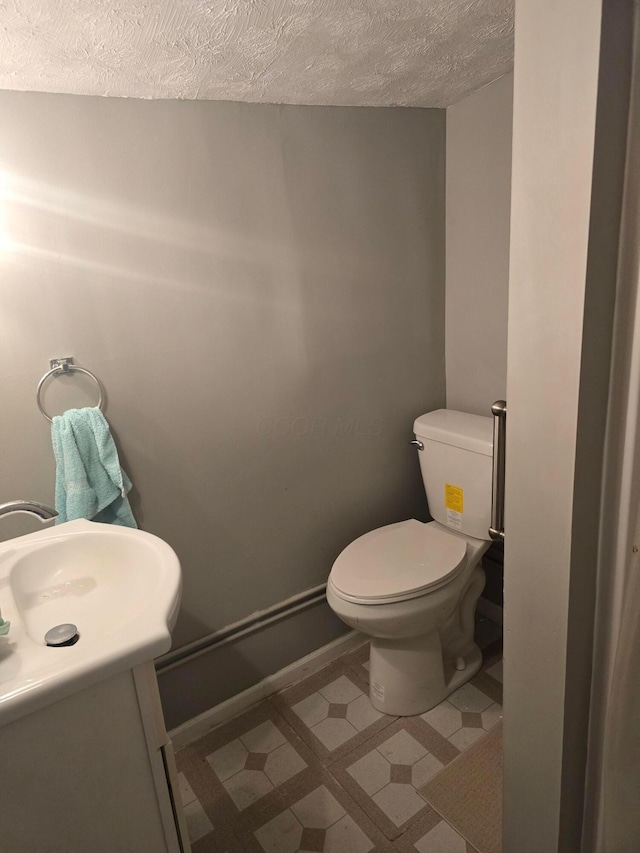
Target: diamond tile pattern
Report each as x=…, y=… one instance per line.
x=441, y=839
x=331, y=711
x=249, y=775
x=389, y=774
x=318, y=768
x=256, y=761
x=330, y=721
x=454, y=720
x=317, y=822
x=312, y=839
x=400, y=773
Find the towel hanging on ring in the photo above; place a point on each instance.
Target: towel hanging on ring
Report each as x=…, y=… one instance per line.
x=90, y=482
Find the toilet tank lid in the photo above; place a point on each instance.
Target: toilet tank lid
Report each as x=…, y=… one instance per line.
x=459, y=429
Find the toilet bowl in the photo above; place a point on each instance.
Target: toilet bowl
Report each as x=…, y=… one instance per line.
x=412, y=587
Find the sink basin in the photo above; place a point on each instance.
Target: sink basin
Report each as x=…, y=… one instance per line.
x=120, y=587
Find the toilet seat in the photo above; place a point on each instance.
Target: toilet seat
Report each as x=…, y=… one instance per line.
x=397, y=562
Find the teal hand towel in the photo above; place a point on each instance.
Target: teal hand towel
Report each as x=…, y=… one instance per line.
x=89, y=480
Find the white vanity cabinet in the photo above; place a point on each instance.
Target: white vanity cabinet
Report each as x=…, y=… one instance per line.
x=92, y=773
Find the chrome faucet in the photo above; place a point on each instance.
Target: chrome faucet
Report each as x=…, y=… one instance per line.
x=42, y=512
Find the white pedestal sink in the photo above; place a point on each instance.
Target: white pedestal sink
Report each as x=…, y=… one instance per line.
x=86, y=756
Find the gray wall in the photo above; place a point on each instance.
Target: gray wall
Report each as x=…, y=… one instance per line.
x=261, y=291
x=478, y=208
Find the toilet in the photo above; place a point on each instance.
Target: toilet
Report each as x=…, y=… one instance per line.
x=413, y=587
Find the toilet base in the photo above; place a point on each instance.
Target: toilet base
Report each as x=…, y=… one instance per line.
x=409, y=677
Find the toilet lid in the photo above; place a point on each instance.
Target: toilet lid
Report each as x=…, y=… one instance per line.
x=397, y=562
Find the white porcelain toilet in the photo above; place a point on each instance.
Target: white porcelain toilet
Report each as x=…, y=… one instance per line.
x=413, y=587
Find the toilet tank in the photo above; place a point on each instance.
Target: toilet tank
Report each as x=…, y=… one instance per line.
x=456, y=466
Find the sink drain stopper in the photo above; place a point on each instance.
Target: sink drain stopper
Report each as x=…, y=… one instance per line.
x=62, y=635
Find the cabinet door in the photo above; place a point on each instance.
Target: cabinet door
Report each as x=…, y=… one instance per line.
x=176, y=799
x=162, y=760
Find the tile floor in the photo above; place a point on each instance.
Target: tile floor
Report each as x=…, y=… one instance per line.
x=317, y=768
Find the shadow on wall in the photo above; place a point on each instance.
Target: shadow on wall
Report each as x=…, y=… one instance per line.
x=261, y=292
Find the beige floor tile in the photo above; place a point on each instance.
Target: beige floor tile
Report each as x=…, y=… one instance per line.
x=285, y=797
x=331, y=710
x=333, y=733
x=312, y=710
x=469, y=698
x=198, y=824
x=372, y=772
x=361, y=713
x=342, y=690
x=319, y=809
x=491, y=716
x=495, y=671
x=282, y=764
x=399, y=802
x=228, y=760
x=247, y=787
x=463, y=738
x=323, y=819
x=264, y=738
x=441, y=839
x=186, y=793
x=412, y=751
x=402, y=748
x=444, y=718
x=424, y=770
x=282, y=834
x=346, y=835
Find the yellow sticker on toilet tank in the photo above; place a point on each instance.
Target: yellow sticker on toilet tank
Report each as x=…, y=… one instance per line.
x=454, y=497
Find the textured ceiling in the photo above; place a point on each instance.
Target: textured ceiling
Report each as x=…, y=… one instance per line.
x=427, y=53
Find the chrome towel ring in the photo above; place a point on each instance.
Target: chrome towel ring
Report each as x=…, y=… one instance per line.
x=58, y=367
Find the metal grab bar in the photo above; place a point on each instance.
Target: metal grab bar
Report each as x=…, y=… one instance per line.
x=499, y=411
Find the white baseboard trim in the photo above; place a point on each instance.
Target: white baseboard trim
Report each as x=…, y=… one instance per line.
x=490, y=610
x=230, y=708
